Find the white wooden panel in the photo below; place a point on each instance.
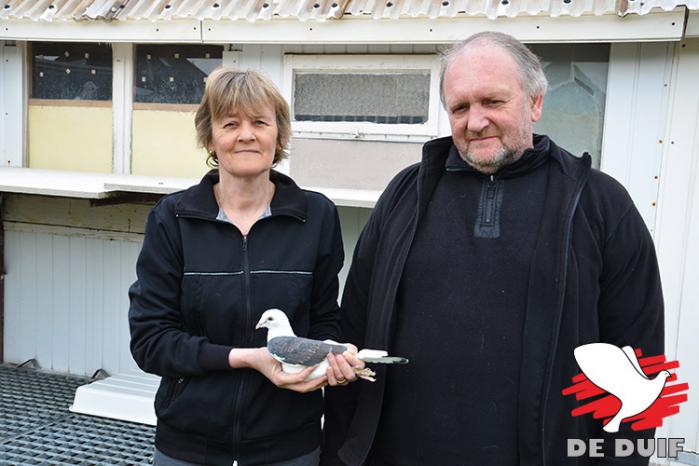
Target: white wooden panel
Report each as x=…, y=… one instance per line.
x=13, y=299
x=401, y=48
x=313, y=49
x=44, y=290
x=110, y=312
x=379, y=48
x=67, y=301
x=77, y=318
x=60, y=307
x=250, y=57
x=335, y=48
x=292, y=48
x=634, y=123
x=428, y=48
x=12, y=108
x=29, y=315
x=94, y=346
x=677, y=234
x=271, y=63
x=357, y=48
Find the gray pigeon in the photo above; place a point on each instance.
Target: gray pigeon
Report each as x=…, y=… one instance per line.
x=296, y=353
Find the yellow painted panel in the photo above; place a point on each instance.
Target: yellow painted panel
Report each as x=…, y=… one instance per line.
x=70, y=138
x=164, y=144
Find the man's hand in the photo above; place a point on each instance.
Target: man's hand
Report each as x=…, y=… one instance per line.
x=263, y=362
x=341, y=370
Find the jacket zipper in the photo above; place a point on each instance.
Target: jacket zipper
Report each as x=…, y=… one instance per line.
x=246, y=319
x=489, y=208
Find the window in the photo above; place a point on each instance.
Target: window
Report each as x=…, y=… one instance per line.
x=63, y=71
x=363, y=95
x=573, y=113
x=174, y=74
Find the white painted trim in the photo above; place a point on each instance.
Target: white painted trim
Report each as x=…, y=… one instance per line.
x=656, y=26
x=411, y=138
x=13, y=105
x=180, y=31
x=85, y=185
x=692, y=29
x=69, y=231
x=122, y=106
x=359, y=63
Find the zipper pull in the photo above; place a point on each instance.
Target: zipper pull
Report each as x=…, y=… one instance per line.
x=245, y=243
x=492, y=178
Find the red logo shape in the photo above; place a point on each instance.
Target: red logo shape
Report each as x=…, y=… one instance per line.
x=603, y=405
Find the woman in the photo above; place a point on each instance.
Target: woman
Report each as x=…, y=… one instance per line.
x=214, y=258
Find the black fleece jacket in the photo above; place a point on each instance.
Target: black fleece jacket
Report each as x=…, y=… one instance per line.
x=201, y=289
x=593, y=278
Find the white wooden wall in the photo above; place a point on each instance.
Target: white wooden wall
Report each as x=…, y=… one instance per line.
x=66, y=301
x=638, y=87
x=65, y=298
x=677, y=236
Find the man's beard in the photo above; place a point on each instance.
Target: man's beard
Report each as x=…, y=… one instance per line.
x=503, y=157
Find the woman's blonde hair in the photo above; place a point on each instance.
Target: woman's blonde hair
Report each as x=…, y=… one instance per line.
x=229, y=88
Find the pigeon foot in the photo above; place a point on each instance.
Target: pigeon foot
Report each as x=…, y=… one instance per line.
x=366, y=374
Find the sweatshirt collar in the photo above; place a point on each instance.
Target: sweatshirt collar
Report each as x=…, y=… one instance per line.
x=531, y=159
x=288, y=199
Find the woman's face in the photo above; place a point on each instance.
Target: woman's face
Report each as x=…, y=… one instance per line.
x=245, y=141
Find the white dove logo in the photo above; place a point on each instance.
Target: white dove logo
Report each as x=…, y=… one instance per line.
x=617, y=371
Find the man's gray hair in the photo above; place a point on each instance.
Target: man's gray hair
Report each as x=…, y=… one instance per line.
x=531, y=76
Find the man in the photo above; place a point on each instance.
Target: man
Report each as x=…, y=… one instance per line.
x=486, y=265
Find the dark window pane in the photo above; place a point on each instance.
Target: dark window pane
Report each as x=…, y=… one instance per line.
x=174, y=74
x=71, y=71
x=380, y=97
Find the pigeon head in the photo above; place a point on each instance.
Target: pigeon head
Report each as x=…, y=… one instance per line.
x=276, y=322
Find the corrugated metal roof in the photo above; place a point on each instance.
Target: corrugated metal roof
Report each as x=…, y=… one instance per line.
x=253, y=10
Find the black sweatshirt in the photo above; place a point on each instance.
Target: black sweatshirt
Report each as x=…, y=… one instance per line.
x=459, y=316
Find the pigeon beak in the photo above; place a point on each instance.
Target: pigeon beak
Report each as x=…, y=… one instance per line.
x=258, y=326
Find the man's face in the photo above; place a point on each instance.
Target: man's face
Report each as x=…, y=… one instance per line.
x=491, y=117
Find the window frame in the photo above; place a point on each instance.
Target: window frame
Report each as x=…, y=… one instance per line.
x=357, y=63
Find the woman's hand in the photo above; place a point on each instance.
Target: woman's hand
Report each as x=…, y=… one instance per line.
x=341, y=370
x=263, y=362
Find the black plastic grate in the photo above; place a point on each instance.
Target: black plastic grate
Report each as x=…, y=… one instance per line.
x=37, y=428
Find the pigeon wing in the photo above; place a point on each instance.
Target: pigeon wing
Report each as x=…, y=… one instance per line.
x=303, y=351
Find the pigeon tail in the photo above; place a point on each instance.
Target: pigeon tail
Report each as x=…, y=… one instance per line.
x=379, y=357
